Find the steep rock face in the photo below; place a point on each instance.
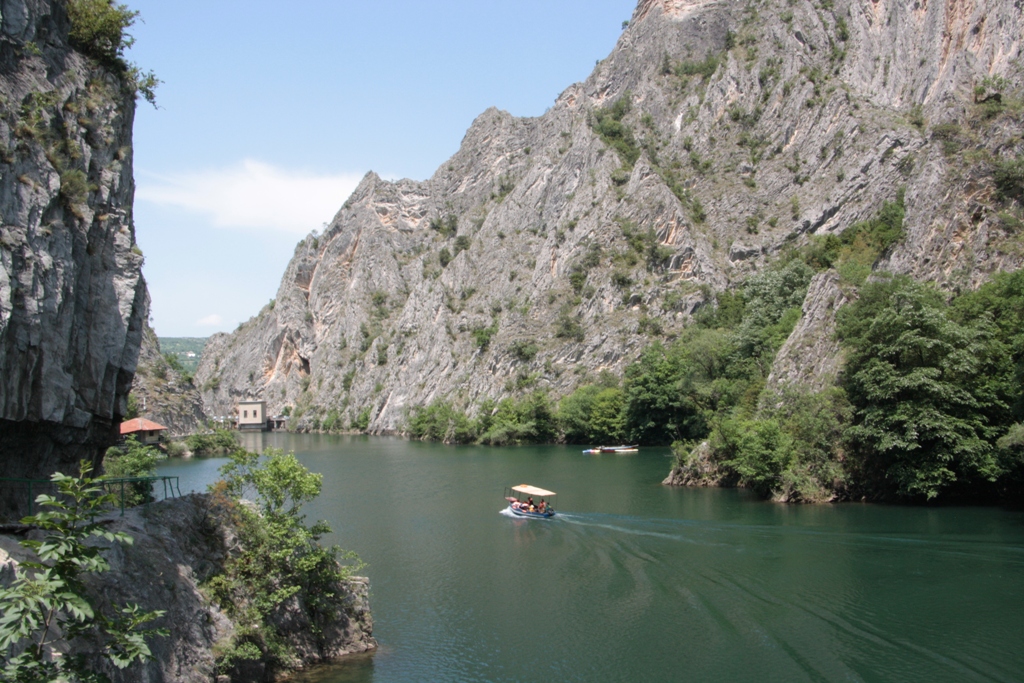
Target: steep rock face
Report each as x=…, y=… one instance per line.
x=714, y=136
x=179, y=544
x=72, y=296
x=810, y=356
x=162, y=394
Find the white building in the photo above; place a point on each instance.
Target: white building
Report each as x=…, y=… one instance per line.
x=252, y=415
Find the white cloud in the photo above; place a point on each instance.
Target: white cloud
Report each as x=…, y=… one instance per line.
x=212, y=320
x=253, y=195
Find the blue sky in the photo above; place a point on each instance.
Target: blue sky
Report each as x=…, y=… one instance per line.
x=270, y=113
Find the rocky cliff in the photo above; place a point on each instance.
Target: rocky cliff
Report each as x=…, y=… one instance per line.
x=72, y=296
x=163, y=394
x=179, y=544
x=715, y=136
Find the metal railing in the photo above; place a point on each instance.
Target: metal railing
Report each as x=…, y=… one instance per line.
x=121, y=487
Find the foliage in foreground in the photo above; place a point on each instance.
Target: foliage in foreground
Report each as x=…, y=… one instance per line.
x=47, y=602
x=281, y=565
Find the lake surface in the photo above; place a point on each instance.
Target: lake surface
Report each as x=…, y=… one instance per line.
x=633, y=581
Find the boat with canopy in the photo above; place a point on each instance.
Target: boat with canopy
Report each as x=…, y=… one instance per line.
x=522, y=501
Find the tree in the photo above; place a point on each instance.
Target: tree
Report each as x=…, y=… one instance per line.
x=925, y=390
x=133, y=459
x=593, y=414
x=280, y=562
x=47, y=601
x=758, y=450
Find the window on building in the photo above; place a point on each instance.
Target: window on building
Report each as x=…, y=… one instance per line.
x=245, y=413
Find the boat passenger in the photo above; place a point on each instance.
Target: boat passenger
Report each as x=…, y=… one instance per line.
x=543, y=505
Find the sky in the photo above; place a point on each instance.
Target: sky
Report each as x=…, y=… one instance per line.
x=270, y=113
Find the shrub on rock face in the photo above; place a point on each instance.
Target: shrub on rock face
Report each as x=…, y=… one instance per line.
x=98, y=30
x=1009, y=178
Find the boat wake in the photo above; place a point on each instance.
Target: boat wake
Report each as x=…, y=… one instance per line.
x=672, y=530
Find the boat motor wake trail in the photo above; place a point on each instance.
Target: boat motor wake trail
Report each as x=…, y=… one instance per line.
x=529, y=501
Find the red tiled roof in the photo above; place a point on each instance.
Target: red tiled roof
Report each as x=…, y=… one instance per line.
x=139, y=424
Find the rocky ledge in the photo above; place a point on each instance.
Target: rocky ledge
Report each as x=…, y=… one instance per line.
x=179, y=545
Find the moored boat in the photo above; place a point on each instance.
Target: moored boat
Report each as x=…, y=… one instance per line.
x=541, y=509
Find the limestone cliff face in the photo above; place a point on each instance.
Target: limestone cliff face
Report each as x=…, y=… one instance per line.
x=163, y=394
x=72, y=296
x=715, y=135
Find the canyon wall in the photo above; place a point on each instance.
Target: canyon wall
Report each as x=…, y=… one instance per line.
x=715, y=137
x=72, y=297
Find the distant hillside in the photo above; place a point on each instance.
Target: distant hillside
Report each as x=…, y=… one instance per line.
x=165, y=393
x=188, y=350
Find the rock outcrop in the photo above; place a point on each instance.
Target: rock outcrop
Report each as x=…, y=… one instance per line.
x=164, y=395
x=179, y=544
x=72, y=296
x=715, y=136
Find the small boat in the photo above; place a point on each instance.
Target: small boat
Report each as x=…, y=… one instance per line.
x=612, y=449
x=529, y=508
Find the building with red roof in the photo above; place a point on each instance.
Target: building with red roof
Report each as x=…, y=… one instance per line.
x=146, y=431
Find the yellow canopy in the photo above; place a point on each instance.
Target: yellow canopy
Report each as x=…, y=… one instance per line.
x=532, y=490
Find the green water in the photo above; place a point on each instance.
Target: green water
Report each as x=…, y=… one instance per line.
x=634, y=581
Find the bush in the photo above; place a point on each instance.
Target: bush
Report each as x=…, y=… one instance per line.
x=220, y=442
x=441, y=422
x=523, y=350
x=758, y=450
x=608, y=125
x=855, y=251
x=98, y=30
x=593, y=414
x=482, y=335
x=175, y=449
x=528, y=420
x=362, y=420
x=705, y=69
x=568, y=326
x=74, y=188
x=331, y=422
x=1009, y=178
x=133, y=459
x=447, y=225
